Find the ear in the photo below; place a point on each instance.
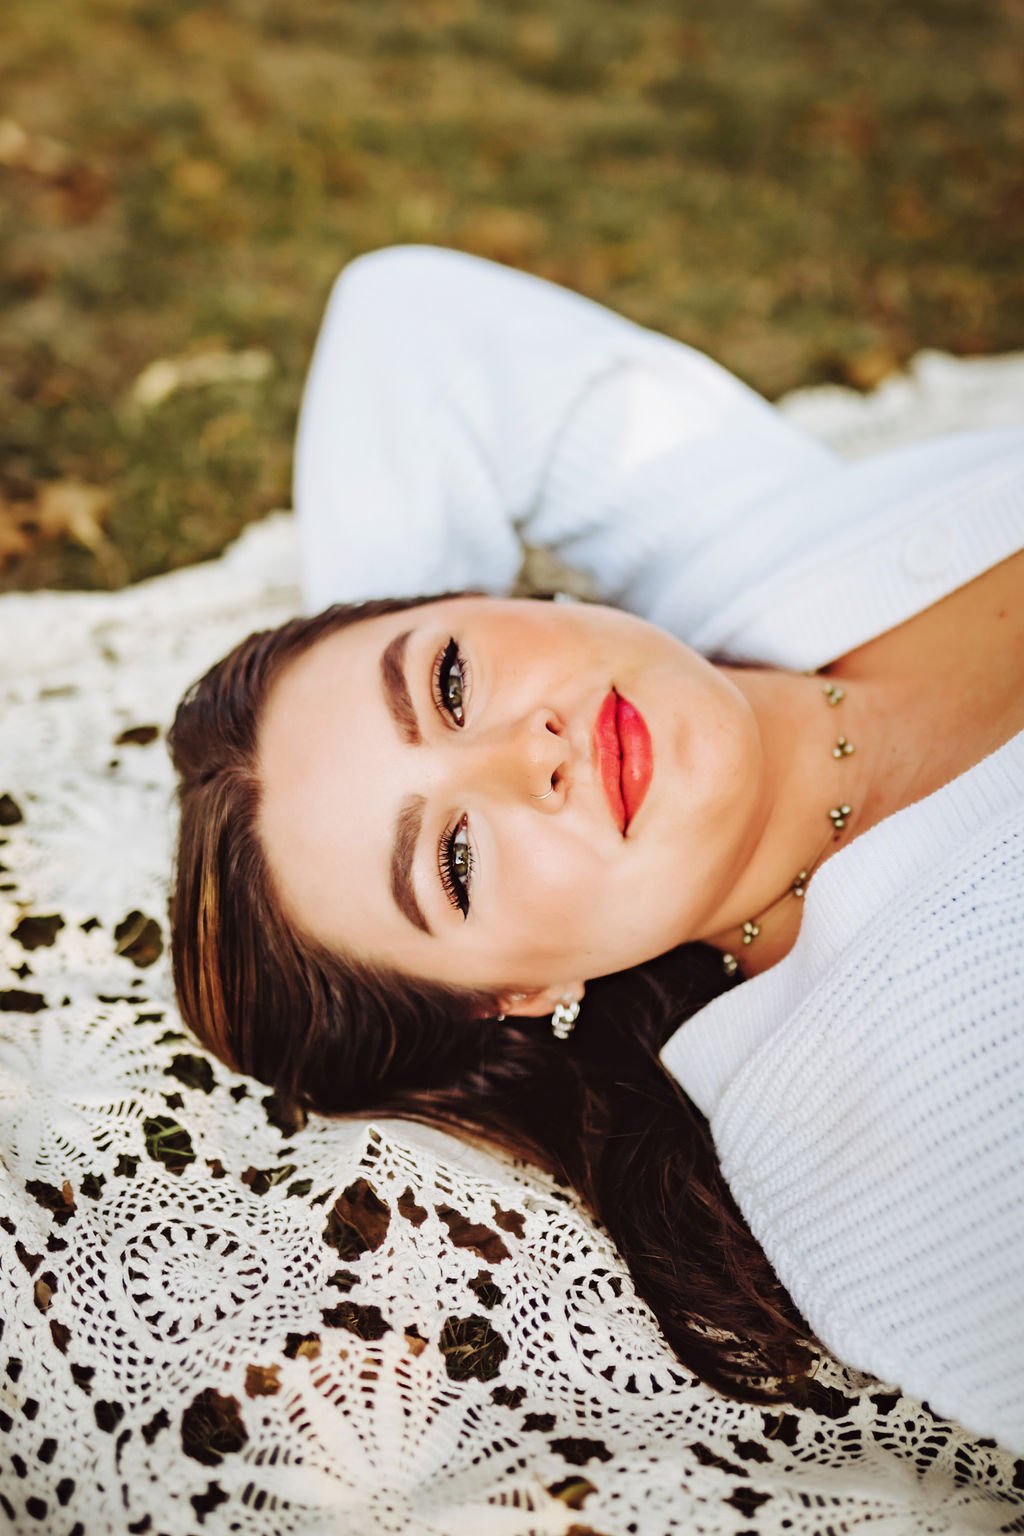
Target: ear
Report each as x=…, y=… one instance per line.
x=537, y=1004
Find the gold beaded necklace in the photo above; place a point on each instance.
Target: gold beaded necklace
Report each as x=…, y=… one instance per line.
x=838, y=816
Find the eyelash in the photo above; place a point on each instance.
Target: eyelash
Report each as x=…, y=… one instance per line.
x=444, y=662
x=456, y=883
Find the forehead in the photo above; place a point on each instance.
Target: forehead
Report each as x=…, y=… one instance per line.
x=343, y=666
x=324, y=738
x=330, y=764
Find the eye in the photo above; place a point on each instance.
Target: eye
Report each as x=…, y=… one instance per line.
x=451, y=683
x=455, y=864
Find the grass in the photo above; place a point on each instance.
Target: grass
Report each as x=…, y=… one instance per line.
x=808, y=189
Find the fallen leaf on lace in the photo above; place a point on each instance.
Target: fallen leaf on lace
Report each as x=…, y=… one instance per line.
x=38, y=932
x=472, y=1349
x=358, y=1222
x=137, y=736
x=366, y=1322
x=139, y=939
x=573, y=1491
x=408, y=1208
x=510, y=1221
x=59, y=1202
x=709, y=1458
x=479, y=1239
x=157, y=1424
x=212, y=1428
x=205, y=1503
x=343, y=1280
x=14, y=1000
x=262, y=1380
x=578, y=1451
x=108, y=1415
x=302, y=1346
x=747, y=1500
x=750, y=1450
x=259, y=1180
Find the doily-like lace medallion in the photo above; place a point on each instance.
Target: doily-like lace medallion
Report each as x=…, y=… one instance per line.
x=213, y=1319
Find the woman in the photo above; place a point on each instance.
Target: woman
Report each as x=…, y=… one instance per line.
x=414, y=831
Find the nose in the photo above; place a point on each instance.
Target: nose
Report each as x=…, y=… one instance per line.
x=525, y=759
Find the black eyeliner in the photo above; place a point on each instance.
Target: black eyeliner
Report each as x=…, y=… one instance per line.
x=456, y=892
x=444, y=663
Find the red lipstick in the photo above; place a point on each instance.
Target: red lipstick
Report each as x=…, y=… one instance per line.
x=622, y=747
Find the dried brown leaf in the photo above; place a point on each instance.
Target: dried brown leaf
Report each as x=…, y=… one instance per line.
x=71, y=509
x=262, y=1380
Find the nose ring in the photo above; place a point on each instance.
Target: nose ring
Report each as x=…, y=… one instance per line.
x=543, y=797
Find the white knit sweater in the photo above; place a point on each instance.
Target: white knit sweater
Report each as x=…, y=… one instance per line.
x=867, y=1100
x=866, y=1094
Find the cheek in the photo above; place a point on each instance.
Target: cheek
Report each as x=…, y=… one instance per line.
x=585, y=914
x=549, y=891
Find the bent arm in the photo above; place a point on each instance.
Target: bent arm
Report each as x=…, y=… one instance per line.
x=456, y=409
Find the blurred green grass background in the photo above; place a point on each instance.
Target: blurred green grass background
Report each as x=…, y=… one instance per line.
x=809, y=190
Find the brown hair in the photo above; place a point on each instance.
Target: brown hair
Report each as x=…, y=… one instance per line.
x=338, y=1037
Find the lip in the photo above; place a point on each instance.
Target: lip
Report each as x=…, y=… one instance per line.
x=625, y=759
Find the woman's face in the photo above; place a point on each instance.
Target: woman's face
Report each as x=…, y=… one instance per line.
x=441, y=796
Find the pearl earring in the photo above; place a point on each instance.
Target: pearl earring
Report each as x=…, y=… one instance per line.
x=563, y=1019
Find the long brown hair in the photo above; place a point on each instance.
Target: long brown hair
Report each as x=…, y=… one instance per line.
x=337, y=1036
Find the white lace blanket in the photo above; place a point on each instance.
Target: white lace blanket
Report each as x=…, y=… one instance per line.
x=212, y=1320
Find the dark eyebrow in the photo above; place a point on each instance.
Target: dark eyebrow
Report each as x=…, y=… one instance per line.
x=407, y=830
x=396, y=689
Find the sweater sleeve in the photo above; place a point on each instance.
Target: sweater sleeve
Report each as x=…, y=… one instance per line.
x=456, y=409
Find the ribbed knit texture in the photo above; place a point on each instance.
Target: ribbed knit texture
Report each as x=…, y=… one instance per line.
x=866, y=1094
x=867, y=1100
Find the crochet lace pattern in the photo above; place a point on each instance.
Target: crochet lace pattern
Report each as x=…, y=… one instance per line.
x=215, y=1318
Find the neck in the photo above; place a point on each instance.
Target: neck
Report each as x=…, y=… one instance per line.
x=792, y=832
